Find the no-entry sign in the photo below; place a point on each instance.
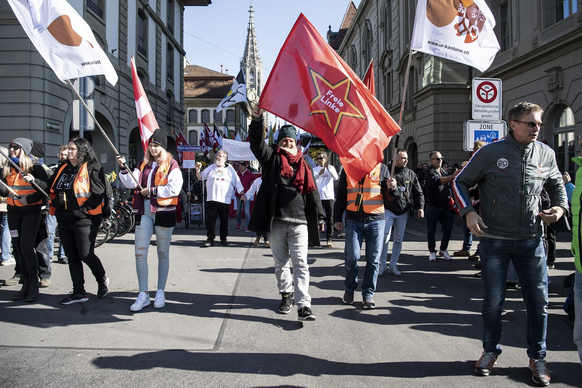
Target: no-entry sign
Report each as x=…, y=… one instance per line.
x=486, y=101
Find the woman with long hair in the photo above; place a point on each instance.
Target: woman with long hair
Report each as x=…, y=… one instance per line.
x=77, y=190
x=154, y=204
x=24, y=212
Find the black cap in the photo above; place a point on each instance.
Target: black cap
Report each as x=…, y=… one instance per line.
x=38, y=150
x=159, y=137
x=287, y=131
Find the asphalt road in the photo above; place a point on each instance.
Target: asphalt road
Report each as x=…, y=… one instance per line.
x=221, y=328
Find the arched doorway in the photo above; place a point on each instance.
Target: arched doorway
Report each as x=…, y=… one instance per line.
x=560, y=125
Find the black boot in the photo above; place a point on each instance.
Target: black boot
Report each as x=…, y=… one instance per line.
x=32, y=291
x=23, y=291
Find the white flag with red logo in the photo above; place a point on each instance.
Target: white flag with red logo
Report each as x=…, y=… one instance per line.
x=463, y=34
x=63, y=38
x=145, y=115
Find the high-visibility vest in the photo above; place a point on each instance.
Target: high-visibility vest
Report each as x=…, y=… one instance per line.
x=21, y=187
x=81, y=189
x=161, y=179
x=371, y=192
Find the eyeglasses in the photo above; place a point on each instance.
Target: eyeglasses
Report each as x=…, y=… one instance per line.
x=531, y=124
x=14, y=147
x=320, y=158
x=437, y=158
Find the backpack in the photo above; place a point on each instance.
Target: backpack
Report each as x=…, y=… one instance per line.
x=569, y=303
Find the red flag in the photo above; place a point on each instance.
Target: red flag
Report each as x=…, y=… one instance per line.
x=313, y=88
x=369, y=79
x=145, y=115
x=211, y=141
x=203, y=143
x=180, y=140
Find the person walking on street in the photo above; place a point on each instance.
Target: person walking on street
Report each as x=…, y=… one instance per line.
x=290, y=212
x=325, y=175
x=51, y=220
x=77, y=190
x=407, y=198
x=24, y=213
x=221, y=181
x=364, y=206
x=155, y=207
x=246, y=179
x=511, y=174
x=437, y=206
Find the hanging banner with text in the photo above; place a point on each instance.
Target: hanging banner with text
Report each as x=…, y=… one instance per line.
x=239, y=151
x=188, y=155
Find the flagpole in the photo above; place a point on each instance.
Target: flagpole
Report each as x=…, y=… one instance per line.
x=33, y=183
x=14, y=193
x=103, y=132
x=397, y=136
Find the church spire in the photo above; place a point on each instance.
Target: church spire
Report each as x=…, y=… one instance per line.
x=251, y=63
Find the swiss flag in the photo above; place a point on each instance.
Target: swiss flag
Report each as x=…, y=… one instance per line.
x=145, y=115
x=312, y=87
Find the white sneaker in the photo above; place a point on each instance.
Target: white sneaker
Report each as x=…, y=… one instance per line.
x=394, y=271
x=160, y=300
x=143, y=300
x=432, y=256
x=445, y=255
x=10, y=261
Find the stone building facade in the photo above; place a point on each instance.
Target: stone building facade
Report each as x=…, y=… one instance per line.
x=540, y=52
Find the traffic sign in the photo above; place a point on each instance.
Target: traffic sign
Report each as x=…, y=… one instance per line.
x=486, y=100
x=486, y=130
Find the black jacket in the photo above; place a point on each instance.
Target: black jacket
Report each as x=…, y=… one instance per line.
x=264, y=210
x=437, y=193
x=408, y=193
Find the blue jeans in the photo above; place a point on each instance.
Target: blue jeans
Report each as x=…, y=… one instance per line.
x=6, y=239
x=356, y=231
x=239, y=206
x=578, y=312
x=143, y=236
x=467, y=237
x=529, y=259
x=51, y=224
x=399, y=223
x=434, y=215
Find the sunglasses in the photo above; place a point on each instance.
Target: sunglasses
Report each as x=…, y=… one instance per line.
x=438, y=158
x=320, y=158
x=531, y=124
x=14, y=147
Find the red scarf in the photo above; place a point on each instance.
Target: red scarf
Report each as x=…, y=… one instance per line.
x=303, y=178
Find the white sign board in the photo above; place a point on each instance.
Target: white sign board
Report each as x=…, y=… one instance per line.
x=488, y=131
x=486, y=99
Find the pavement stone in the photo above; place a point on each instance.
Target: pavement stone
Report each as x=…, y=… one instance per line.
x=221, y=328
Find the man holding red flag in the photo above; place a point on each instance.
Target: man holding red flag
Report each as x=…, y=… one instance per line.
x=313, y=88
x=289, y=210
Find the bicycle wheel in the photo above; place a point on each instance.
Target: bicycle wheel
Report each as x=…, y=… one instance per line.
x=102, y=233
x=123, y=219
x=113, y=226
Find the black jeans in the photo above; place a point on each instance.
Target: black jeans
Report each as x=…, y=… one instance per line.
x=328, y=207
x=25, y=225
x=42, y=252
x=214, y=209
x=78, y=239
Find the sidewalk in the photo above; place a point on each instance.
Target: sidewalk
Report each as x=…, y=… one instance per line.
x=220, y=326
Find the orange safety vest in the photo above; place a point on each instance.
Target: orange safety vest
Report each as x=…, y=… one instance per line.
x=371, y=192
x=161, y=179
x=21, y=187
x=81, y=189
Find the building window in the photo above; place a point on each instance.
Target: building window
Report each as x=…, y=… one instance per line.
x=218, y=117
x=170, y=16
x=142, y=33
x=556, y=10
x=387, y=89
x=504, y=26
x=193, y=116
x=387, y=24
x=97, y=6
x=205, y=116
x=170, y=63
x=230, y=116
x=409, y=101
x=169, y=106
x=367, y=44
x=193, y=138
x=564, y=140
x=354, y=59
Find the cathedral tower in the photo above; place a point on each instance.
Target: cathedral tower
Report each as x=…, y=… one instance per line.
x=251, y=63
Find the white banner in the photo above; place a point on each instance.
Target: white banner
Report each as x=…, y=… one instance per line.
x=463, y=35
x=237, y=150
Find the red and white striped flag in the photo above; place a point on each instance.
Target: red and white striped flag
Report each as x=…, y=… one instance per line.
x=145, y=115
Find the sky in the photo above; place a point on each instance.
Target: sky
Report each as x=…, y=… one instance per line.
x=217, y=34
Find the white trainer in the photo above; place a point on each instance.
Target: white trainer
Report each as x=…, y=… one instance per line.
x=160, y=300
x=143, y=300
x=432, y=256
x=445, y=254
